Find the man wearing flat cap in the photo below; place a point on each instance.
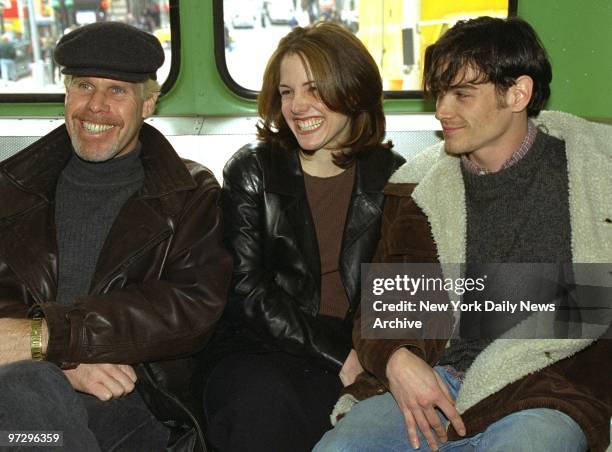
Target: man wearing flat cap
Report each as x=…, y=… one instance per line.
x=112, y=268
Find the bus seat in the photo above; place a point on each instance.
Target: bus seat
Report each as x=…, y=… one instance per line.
x=211, y=141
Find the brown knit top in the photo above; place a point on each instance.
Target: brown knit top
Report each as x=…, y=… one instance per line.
x=329, y=199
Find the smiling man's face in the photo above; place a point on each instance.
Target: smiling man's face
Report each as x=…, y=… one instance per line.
x=103, y=116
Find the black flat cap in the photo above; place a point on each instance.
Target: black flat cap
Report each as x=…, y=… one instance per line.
x=110, y=50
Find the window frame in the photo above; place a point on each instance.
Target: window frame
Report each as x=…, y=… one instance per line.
x=219, y=50
x=175, y=64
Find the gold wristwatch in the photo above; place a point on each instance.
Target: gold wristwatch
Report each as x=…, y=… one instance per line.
x=36, y=338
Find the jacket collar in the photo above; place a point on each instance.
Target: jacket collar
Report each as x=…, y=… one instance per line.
x=371, y=171
x=440, y=191
x=36, y=169
x=164, y=170
x=440, y=194
x=588, y=147
x=289, y=178
x=29, y=180
x=286, y=178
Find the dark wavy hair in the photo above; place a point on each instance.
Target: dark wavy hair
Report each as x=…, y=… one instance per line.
x=497, y=50
x=347, y=80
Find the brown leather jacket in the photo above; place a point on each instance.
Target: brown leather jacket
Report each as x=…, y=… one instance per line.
x=578, y=386
x=572, y=376
x=161, y=279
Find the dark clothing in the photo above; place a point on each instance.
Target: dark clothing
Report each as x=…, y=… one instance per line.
x=329, y=198
x=92, y=50
x=125, y=424
x=518, y=214
x=461, y=352
x=273, y=331
x=7, y=50
x=283, y=400
x=276, y=284
x=578, y=386
x=37, y=396
x=425, y=221
x=160, y=282
x=521, y=214
x=88, y=198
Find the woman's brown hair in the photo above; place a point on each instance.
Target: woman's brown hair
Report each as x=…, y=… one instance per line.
x=347, y=80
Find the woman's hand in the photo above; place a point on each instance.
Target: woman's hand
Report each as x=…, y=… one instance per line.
x=350, y=369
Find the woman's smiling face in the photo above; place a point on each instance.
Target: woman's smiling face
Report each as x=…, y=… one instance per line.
x=314, y=125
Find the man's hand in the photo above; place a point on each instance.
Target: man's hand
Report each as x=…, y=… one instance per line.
x=350, y=369
x=418, y=389
x=104, y=381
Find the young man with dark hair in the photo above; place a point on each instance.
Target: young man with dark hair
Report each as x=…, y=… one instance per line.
x=112, y=266
x=505, y=186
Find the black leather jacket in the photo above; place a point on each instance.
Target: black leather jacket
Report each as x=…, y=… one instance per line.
x=160, y=283
x=275, y=292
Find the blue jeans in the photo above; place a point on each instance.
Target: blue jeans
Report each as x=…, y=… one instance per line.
x=377, y=425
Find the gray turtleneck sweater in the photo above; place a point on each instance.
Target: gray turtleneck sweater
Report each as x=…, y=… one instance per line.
x=87, y=200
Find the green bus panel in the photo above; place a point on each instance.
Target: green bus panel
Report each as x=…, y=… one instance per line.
x=577, y=35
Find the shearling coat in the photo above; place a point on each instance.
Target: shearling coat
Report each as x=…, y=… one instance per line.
x=424, y=220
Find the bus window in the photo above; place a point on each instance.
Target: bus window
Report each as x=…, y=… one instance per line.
x=396, y=32
x=27, y=40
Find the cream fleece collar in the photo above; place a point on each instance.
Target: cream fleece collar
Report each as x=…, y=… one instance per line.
x=440, y=191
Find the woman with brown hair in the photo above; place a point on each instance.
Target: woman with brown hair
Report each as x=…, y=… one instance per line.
x=302, y=209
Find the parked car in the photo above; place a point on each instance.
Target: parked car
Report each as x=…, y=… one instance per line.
x=244, y=19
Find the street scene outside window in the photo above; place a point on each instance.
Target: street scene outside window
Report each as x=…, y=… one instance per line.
x=30, y=29
x=396, y=32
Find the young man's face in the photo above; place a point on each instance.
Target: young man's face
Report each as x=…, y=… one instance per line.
x=476, y=119
x=103, y=117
